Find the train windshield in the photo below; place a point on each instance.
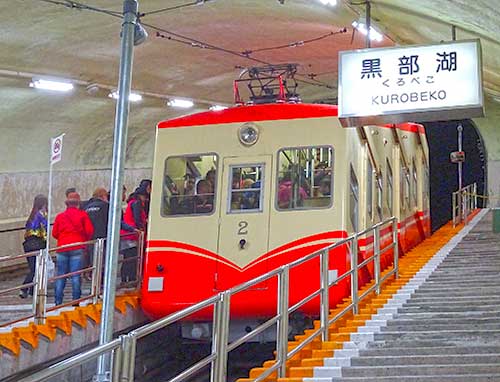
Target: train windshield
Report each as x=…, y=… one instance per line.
x=189, y=185
x=305, y=178
x=246, y=188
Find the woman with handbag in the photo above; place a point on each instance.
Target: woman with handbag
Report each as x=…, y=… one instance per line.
x=35, y=239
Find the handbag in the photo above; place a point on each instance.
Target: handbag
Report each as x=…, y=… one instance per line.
x=33, y=243
x=51, y=267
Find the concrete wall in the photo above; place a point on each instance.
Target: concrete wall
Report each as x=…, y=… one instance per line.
x=489, y=127
x=19, y=188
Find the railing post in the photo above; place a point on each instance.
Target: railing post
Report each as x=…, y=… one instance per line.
x=97, y=272
x=282, y=327
x=395, y=241
x=126, y=349
x=454, y=209
x=376, y=259
x=354, y=274
x=325, y=295
x=475, y=196
x=140, y=254
x=40, y=295
x=220, y=337
x=116, y=364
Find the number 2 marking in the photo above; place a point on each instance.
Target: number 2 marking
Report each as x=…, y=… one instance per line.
x=242, y=230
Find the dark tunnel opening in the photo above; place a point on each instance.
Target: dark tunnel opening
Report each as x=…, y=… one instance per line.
x=443, y=139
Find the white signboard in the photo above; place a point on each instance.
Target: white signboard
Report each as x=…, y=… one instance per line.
x=56, y=149
x=418, y=83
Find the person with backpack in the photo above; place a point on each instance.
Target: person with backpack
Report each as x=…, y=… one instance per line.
x=71, y=227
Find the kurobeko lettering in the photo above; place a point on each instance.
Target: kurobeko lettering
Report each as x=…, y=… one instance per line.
x=412, y=97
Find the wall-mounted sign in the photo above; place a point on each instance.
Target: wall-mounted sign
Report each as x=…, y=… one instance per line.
x=413, y=83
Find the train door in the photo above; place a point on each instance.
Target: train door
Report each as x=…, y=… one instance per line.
x=244, y=219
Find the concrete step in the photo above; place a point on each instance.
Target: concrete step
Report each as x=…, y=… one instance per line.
x=424, y=327
x=464, y=299
x=446, y=315
x=437, y=335
x=447, y=309
x=378, y=350
x=464, y=303
x=411, y=378
x=462, y=359
x=400, y=371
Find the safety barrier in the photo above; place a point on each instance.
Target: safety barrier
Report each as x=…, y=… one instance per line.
x=123, y=349
x=42, y=280
x=464, y=201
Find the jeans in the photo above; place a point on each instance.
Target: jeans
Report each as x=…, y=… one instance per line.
x=67, y=262
x=129, y=268
x=29, y=277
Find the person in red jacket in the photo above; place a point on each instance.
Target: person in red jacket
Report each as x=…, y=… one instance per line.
x=136, y=217
x=71, y=226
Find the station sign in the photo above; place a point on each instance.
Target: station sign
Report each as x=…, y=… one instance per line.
x=414, y=83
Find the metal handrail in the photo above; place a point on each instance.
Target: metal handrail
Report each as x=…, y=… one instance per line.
x=124, y=363
x=41, y=280
x=464, y=201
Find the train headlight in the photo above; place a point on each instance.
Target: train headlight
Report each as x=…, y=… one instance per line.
x=248, y=134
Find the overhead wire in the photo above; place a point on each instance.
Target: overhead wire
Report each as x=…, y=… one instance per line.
x=168, y=9
x=186, y=40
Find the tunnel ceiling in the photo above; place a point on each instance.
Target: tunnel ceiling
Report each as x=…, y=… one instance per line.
x=47, y=38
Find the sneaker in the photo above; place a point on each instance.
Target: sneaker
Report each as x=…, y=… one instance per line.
x=23, y=294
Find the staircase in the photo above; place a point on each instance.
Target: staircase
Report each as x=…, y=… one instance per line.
x=444, y=325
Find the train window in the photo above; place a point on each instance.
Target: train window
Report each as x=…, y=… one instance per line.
x=247, y=184
x=369, y=190
x=389, y=187
x=354, y=200
x=415, y=183
x=305, y=178
x=189, y=185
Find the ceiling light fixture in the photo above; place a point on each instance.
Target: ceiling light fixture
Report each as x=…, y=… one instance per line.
x=60, y=86
x=360, y=25
x=180, y=103
x=217, y=107
x=331, y=3
x=133, y=97
x=140, y=34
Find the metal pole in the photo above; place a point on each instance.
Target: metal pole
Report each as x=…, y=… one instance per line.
x=454, y=32
x=282, y=329
x=354, y=274
x=40, y=295
x=460, y=200
x=97, y=271
x=49, y=201
x=376, y=249
x=395, y=240
x=325, y=295
x=368, y=24
x=119, y=147
x=221, y=338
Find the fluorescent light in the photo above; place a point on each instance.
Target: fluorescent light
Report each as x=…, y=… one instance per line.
x=181, y=103
x=217, y=107
x=133, y=97
x=331, y=3
x=59, y=86
x=374, y=34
